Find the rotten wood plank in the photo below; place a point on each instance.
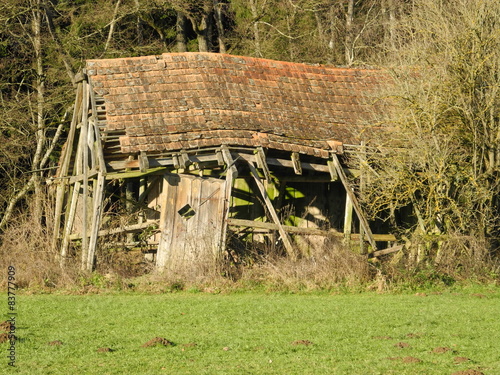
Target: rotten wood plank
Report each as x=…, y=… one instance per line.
x=389, y=250
x=297, y=166
x=308, y=231
x=98, y=198
x=133, y=228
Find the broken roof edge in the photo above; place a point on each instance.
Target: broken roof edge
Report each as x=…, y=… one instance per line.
x=213, y=56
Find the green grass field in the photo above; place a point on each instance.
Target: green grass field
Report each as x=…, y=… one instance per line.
x=259, y=333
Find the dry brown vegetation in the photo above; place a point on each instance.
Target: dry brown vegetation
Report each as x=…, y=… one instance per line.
x=333, y=267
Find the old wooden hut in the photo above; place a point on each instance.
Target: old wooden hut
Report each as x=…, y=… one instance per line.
x=201, y=145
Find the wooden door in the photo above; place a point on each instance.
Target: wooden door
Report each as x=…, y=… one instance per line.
x=191, y=221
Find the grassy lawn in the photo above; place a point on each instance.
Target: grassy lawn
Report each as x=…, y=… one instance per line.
x=258, y=333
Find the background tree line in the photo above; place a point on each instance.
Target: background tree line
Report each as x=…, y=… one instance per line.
x=443, y=55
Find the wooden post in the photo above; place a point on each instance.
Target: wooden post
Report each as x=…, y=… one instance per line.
x=260, y=157
x=362, y=187
x=98, y=198
x=85, y=171
x=69, y=222
x=356, y=206
x=284, y=235
x=297, y=167
x=231, y=175
x=348, y=221
x=63, y=172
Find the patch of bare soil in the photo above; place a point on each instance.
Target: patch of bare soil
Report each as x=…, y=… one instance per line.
x=302, y=342
x=421, y=294
x=440, y=350
x=468, y=372
x=55, y=343
x=105, y=350
x=405, y=359
x=479, y=295
x=458, y=360
x=4, y=337
x=5, y=326
x=411, y=360
x=402, y=345
x=414, y=335
x=157, y=341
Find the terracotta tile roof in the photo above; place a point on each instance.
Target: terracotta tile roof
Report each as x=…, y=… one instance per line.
x=191, y=100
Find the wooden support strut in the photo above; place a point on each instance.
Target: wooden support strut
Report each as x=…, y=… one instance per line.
x=354, y=200
x=260, y=157
x=63, y=172
x=143, y=162
x=231, y=175
x=297, y=167
x=284, y=235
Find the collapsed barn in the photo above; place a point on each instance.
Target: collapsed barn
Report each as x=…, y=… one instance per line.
x=202, y=149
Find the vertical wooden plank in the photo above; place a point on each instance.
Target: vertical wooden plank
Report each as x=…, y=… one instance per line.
x=98, y=143
x=73, y=202
x=356, y=206
x=85, y=165
x=142, y=191
x=63, y=172
x=168, y=211
x=231, y=175
x=98, y=198
x=69, y=222
x=362, y=188
x=348, y=220
x=284, y=235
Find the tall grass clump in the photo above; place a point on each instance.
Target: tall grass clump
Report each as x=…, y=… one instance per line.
x=26, y=245
x=332, y=266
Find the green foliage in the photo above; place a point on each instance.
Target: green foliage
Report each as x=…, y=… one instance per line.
x=445, y=111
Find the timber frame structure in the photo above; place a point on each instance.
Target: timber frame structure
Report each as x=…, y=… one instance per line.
x=200, y=141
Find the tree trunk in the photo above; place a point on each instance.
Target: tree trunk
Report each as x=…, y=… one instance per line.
x=202, y=33
x=256, y=34
x=112, y=26
x=40, y=89
x=181, y=27
x=220, y=27
x=349, y=37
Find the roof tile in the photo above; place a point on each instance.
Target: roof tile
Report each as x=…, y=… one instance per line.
x=195, y=95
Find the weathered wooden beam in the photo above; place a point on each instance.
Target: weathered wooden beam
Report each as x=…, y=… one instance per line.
x=297, y=167
x=389, y=250
x=307, y=231
x=287, y=228
x=354, y=200
x=260, y=158
x=63, y=171
x=220, y=158
x=133, y=228
x=98, y=198
x=85, y=172
x=284, y=235
x=348, y=219
x=333, y=172
x=231, y=175
x=184, y=160
x=68, y=225
x=134, y=174
x=143, y=162
x=229, y=161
